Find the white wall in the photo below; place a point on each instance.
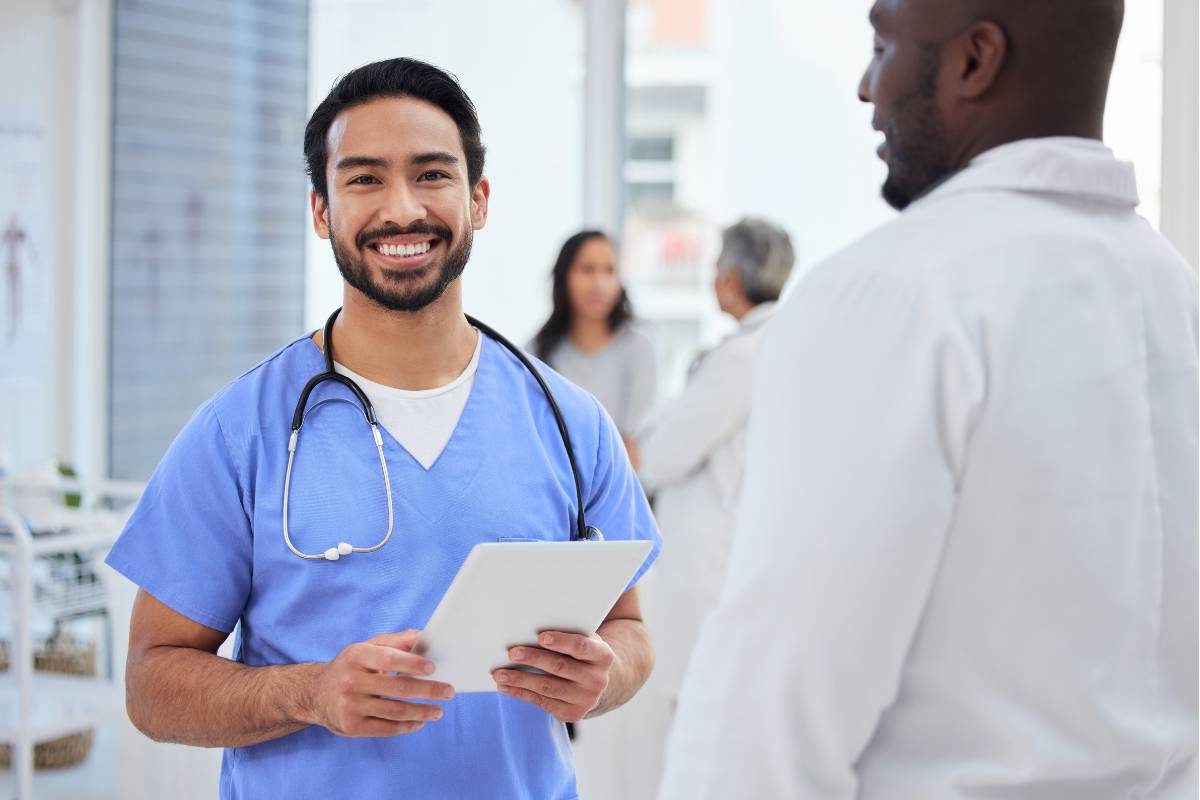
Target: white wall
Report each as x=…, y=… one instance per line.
x=1134, y=112
x=53, y=165
x=1181, y=131
x=522, y=63
x=797, y=146
x=35, y=157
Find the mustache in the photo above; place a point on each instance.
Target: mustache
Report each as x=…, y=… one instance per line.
x=440, y=231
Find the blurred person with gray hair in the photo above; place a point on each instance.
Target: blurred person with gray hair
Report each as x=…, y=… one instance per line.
x=692, y=457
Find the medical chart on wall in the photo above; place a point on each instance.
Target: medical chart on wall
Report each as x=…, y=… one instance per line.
x=26, y=288
x=24, y=247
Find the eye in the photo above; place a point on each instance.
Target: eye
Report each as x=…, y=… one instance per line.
x=363, y=179
x=432, y=175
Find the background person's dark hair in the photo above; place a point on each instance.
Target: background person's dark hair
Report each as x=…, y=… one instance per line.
x=559, y=323
x=396, y=77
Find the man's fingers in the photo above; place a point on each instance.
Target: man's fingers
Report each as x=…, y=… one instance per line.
x=397, y=710
x=582, y=648
x=555, y=663
x=544, y=685
x=384, y=727
x=384, y=658
x=563, y=711
x=404, y=640
x=381, y=685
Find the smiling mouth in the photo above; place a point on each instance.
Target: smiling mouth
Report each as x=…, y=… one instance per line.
x=404, y=254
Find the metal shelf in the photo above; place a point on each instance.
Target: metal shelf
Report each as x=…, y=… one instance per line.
x=62, y=705
x=85, y=537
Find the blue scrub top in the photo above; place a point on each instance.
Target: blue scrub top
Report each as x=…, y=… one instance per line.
x=207, y=540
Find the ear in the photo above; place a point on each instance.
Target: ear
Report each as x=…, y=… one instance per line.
x=479, y=203
x=731, y=280
x=320, y=214
x=983, y=55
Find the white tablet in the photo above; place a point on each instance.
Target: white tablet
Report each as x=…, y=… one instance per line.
x=506, y=593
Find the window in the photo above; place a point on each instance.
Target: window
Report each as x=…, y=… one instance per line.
x=208, y=191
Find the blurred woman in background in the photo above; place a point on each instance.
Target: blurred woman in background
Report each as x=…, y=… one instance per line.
x=590, y=339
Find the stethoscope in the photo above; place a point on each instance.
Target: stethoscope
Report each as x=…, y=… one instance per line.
x=582, y=530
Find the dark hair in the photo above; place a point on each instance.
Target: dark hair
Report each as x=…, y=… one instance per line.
x=559, y=323
x=396, y=77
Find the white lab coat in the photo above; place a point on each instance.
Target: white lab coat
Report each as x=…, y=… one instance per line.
x=965, y=564
x=691, y=457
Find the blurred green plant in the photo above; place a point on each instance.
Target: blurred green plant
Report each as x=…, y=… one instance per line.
x=70, y=499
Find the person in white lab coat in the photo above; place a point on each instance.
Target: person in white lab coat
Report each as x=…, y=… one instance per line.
x=692, y=455
x=965, y=563
x=693, y=448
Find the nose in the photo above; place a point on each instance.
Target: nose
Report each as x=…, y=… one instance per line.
x=864, y=86
x=402, y=206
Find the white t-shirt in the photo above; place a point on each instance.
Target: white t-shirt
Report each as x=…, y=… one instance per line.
x=421, y=421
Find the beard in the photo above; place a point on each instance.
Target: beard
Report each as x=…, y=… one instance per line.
x=403, y=290
x=918, y=151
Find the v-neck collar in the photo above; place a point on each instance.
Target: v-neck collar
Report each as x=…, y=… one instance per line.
x=434, y=492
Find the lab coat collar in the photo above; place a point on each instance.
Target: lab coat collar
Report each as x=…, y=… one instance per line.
x=1052, y=165
x=756, y=316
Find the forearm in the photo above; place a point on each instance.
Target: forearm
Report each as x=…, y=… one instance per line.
x=189, y=696
x=634, y=659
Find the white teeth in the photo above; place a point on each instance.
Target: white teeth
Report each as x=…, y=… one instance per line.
x=404, y=249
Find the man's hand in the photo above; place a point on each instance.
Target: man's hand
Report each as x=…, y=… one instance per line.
x=353, y=693
x=578, y=668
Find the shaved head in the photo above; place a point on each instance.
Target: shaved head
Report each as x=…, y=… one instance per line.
x=953, y=78
x=1060, y=51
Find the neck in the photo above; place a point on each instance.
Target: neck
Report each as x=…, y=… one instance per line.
x=739, y=309
x=590, y=335
x=406, y=350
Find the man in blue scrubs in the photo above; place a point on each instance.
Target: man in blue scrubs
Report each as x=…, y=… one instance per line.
x=324, y=698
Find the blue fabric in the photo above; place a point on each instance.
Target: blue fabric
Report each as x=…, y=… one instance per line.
x=206, y=539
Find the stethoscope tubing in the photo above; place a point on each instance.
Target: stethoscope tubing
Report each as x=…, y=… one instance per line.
x=581, y=531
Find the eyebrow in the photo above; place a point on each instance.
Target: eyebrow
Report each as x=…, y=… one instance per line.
x=354, y=162
x=432, y=157
x=873, y=16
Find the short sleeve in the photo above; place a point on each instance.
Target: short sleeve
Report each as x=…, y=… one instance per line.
x=189, y=542
x=615, y=503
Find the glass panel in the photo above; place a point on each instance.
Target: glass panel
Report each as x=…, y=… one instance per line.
x=651, y=148
x=758, y=100
x=207, y=201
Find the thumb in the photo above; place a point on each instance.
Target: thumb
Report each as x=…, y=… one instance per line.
x=401, y=641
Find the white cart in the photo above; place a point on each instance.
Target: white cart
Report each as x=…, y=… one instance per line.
x=39, y=707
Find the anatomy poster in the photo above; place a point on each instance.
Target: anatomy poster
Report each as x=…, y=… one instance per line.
x=26, y=289
x=23, y=243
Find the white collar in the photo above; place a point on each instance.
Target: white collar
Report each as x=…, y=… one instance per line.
x=757, y=316
x=1053, y=165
